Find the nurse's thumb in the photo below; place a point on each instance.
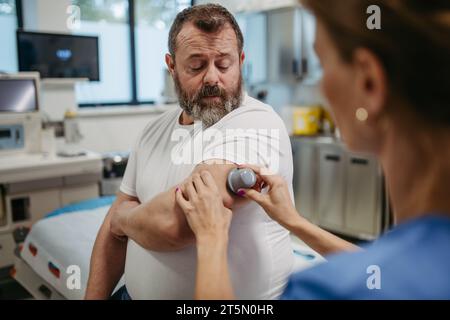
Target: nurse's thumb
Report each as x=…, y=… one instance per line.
x=253, y=195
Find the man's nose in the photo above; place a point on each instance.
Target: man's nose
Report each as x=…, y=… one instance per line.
x=212, y=76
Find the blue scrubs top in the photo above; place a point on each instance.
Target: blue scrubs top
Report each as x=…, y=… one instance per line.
x=411, y=261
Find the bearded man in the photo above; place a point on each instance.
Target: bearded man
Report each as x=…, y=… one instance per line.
x=145, y=236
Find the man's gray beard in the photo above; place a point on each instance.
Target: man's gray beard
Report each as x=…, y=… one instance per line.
x=209, y=113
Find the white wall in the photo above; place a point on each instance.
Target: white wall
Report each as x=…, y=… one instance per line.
x=250, y=5
x=115, y=73
x=8, y=52
x=114, y=130
x=45, y=15
x=103, y=130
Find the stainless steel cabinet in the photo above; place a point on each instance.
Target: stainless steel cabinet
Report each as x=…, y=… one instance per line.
x=331, y=186
x=338, y=190
x=363, y=205
x=304, y=179
x=254, y=29
x=279, y=46
x=291, y=55
x=284, y=45
x=312, y=69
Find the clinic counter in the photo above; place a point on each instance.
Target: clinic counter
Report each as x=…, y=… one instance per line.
x=88, y=112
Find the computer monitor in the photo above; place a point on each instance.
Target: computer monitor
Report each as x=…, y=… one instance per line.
x=19, y=93
x=56, y=55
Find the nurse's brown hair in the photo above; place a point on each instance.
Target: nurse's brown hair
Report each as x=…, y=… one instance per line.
x=413, y=45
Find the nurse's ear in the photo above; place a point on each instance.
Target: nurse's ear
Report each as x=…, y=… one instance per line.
x=371, y=82
x=170, y=62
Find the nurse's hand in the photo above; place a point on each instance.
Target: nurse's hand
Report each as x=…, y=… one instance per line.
x=277, y=201
x=202, y=204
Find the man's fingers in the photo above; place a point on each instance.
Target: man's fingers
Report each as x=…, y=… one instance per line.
x=209, y=181
x=190, y=190
x=198, y=183
x=182, y=202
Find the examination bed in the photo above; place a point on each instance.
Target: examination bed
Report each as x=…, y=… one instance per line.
x=58, y=249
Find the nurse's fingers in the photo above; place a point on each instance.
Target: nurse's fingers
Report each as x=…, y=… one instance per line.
x=264, y=175
x=264, y=171
x=254, y=195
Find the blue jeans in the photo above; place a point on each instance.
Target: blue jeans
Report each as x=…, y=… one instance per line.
x=121, y=294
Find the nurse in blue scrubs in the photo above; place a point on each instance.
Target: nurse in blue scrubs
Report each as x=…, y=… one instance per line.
x=386, y=67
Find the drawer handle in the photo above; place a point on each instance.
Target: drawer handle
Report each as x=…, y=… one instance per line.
x=32, y=249
x=332, y=157
x=54, y=270
x=360, y=161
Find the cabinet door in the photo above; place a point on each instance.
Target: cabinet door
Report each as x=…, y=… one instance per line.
x=363, y=196
x=312, y=69
x=305, y=168
x=7, y=246
x=331, y=186
x=284, y=44
x=254, y=29
x=73, y=194
x=27, y=208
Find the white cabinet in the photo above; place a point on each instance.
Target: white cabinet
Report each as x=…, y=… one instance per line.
x=7, y=246
x=76, y=193
x=33, y=185
x=29, y=207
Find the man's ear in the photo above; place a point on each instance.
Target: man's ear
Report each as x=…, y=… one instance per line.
x=242, y=57
x=371, y=81
x=170, y=62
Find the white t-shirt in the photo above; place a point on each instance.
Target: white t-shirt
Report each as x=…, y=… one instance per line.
x=259, y=251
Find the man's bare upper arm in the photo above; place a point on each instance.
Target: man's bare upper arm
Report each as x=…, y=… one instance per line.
x=121, y=197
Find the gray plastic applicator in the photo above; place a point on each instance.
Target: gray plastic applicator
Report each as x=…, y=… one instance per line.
x=241, y=178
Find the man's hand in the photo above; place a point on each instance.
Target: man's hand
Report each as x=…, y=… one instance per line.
x=119, y=218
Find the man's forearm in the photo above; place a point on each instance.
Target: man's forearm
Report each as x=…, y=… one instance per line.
x=158, y=224
x=107, y=263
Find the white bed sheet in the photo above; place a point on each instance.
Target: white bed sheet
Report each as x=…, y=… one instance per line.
x=67, y=240
x=64, y=240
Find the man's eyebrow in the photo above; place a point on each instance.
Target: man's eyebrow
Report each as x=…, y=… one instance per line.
x=200, y=55
x=224, y=54
x=196, y=55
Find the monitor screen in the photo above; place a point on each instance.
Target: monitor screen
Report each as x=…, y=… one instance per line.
x=58, y=55
x=18, y=95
